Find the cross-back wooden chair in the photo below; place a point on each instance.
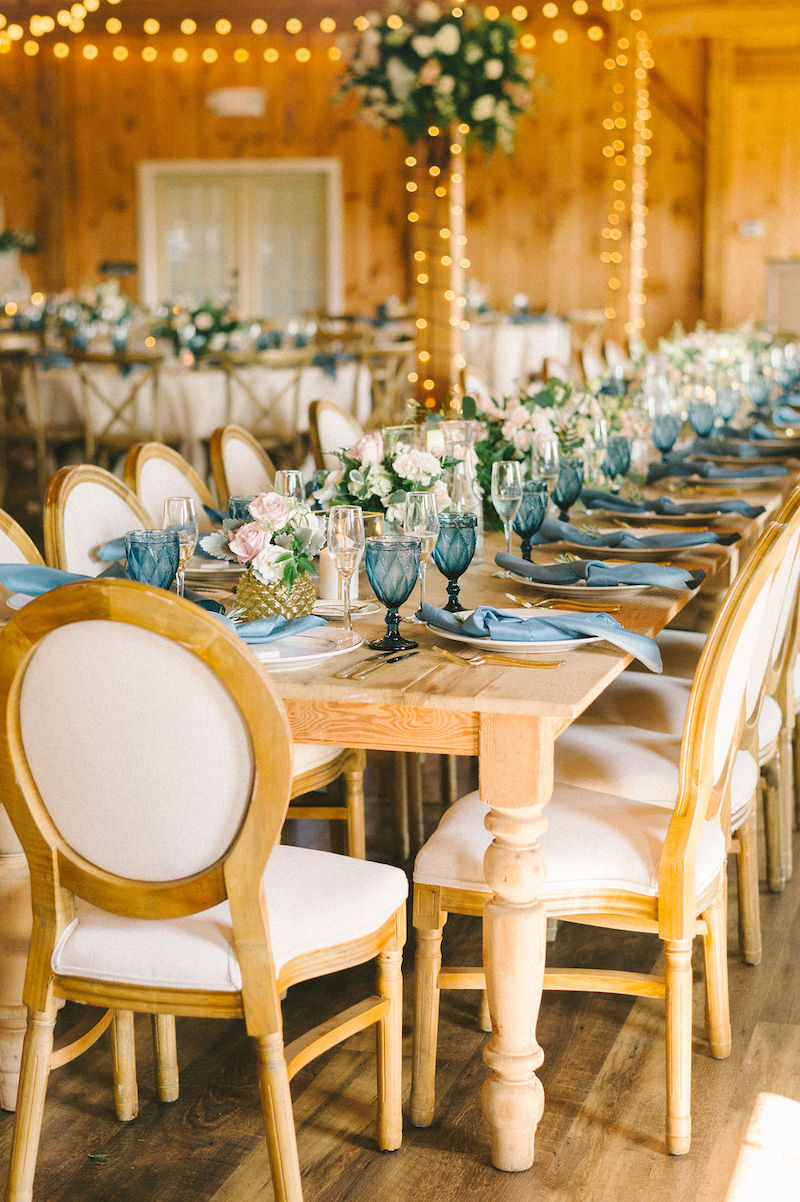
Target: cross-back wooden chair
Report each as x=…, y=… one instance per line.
x=646, y=866
x=239, y=464
x=84, y=507
x=168, y=892
x=264, y=394
x=388, y=368
x=15, y=545
x=331, y=428
x=119, y=399
x=155, y=471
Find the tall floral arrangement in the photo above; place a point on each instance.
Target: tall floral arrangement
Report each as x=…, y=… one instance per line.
x=426, y=66
x=378, y=479
x=278, y=543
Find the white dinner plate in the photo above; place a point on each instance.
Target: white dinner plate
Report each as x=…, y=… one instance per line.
x=726, y=483
x=335, y=609
x=212, y=571
x=529, y=647
x=307, y=649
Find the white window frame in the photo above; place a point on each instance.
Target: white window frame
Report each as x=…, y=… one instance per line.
x=151, y=171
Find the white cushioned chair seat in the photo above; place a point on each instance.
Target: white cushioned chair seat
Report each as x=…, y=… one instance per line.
x=658, y=704
x=312, y=755
x=595, y=840
x=315, y=900
x=639, y=764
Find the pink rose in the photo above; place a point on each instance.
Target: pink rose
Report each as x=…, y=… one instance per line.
x=368, y=449
x=270, y=507
x=430, y=71
x=248, y=541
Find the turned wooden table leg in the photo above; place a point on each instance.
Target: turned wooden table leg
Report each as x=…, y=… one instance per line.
x=516, y=778
x=15, y=934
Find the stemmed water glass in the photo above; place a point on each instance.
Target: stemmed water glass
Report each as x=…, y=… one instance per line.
x=544, y=460
x=618, y=457
x=568, y=485
x=530, y=514
x=180, y=515
x=453, y=552
x=422, y=520
x=346, y=547
x=392, y=567
x=507, y=493
x=702, y=415
x=666, y=428
x=289, y=484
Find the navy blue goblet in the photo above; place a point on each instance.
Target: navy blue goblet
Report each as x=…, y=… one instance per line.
x=618, y=456
x=568, y=486
x=392, y=569
x=453, y=552
x=153, y=556
x=530, y=514
x=666, y=428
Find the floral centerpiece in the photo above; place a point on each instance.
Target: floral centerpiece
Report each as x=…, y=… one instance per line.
x=199, y=330
x=379, y=480
x=22, y=240
x=278, y=547
x=432, y=66
x=93, y=312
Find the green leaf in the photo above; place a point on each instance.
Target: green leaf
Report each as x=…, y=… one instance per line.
x=98, y=1155
x=468, y=408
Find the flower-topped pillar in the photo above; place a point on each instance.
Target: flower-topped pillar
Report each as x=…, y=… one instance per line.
x=438, y=257
x=446, y=76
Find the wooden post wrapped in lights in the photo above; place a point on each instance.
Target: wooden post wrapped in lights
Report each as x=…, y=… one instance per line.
x=438, y=240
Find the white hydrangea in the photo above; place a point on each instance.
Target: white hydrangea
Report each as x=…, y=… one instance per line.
x=447, y=39
x=401, y=78
x=493, y=68
x=483, y=108
x=428, y=11
x=423, y=45
x=268, y=564
x=420, y=466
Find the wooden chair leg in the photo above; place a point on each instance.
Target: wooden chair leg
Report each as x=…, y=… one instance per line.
x=354, y=802
x=796, y=762
x=126, y=1093
x=786, y=798
x=773, y=827
x=276, y=1104
x=426, y=1024
x=678, y=955
x=390, y=1051
x=747, y=873
x=416, y=763
x=34, y=1072
x=449, y=779
x=715, y=958
x=484, y=1017
x=401, y=803
x=165, y=1048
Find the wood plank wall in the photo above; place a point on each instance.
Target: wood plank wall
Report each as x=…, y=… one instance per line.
x=72, y=133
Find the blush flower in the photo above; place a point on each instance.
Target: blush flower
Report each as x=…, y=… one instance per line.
x=248, y=541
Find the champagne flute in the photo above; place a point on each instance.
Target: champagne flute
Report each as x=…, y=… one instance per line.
x=507, y=494
x=180, y=515
x=422, y=521
x=289, y=484
x=346, y=547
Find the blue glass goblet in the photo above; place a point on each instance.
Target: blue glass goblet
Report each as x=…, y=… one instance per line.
x=618, y=456
x=568, y=486
x=759, y=388
x=239, y=508
x=453, y=552
x=702, y=415
x=392, y=569
x=666, y=428
x=153, y=556
x=728, y=399
x=530, y=514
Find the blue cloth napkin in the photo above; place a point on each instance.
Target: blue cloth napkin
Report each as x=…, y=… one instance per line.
x=711, y=471
x=216, y=515
x=785, y=415
x=33, y=579
x=113, y=549
x=486, y=622
x=276, y=627
x=728, y=447
x=598, y=573
x=594, y=498
x=554, y=531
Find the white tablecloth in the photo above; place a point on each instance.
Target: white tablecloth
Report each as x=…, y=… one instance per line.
x=194, y=401
x=504, y=353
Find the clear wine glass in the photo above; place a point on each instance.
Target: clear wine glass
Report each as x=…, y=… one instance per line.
x=346, y=547
x=545, y=457
x=422, y=521
x=507, y=494
x=180, y=515
x=289, y=484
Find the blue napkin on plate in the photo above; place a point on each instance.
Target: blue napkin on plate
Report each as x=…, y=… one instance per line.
x=785, y=415
x=276, y=627
x=595, y=498
x=113, y=549
x=711, y=471
x=599, y=574
x=486, y=622
x=216, y=515
x=554, y=531
x=730, y=448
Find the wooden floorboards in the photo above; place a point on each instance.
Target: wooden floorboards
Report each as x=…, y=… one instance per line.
x=601, y=1138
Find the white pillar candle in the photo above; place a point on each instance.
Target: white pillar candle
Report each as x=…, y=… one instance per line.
x=330, y=585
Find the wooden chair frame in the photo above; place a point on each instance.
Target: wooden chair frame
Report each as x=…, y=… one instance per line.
x=58, y=873
x=119, y=411
x=293, y=360
x=59, y=489
x=17, y=535
x=674, y=914
x=315, y=409
x=219, y=440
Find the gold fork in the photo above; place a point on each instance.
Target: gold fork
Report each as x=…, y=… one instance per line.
x=494, y=657
x=563, y=603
